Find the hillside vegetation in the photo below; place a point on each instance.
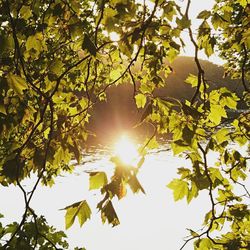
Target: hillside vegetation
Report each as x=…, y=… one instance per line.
x=119, y=112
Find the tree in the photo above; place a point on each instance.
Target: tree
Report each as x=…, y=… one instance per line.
x=58, y=59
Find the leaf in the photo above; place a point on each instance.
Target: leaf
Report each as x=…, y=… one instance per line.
x=136, y=35
x=204, y=14
x=115, y=74
x=81, y=210
x=179, y=187
x=205, y=244
x=193, y=233
x=71, y=215
x=243, y=3
x=56, y=67
x=140, y=100
x=36, y=44
x=222, y=135
x=2, y=109
x=17, y=83
x=183, y=23
x=108, y=213
x=152, y=143
x=231, y=102
x=97, y=180
x=89, y=45
x=135, y=184
x=216, y=113
x=25, y=12
x=187, y=134
x=58, y=156
x=192, y=193
x=192, y=80
x=84, y=212
x=178, y=147
x=175, y=45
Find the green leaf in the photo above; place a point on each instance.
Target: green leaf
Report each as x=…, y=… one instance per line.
x=179, y=187
x=56, y=67
x=140, y=100
x=231, y=102
x=25, y=12
x=205, y=244
x=192, y=80
x=97, y=180
x=84, y=212
x=36, y=44
x=81, y=210
x=71, y=214
x=183, y=23
x=243, y=3
x=17, y=83
x=222, y=135
x=216, y=113
x=178, y=147
x=192, y=193
x=204, y=14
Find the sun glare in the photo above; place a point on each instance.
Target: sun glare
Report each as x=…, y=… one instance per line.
x=126, y=150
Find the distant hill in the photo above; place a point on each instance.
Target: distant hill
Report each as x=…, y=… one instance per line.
x=119, y=113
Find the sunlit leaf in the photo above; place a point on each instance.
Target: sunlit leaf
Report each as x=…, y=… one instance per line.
x=140, y=100
x=97, y=180
x=135, y=184
x=179, y=187
x=79, y=209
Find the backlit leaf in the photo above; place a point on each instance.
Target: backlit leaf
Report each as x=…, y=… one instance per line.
x=135, y=184
x=179, y=187
x=140, y=100
x=216, y=114
x=97, y=180
x=109, y=214
x=79, y=209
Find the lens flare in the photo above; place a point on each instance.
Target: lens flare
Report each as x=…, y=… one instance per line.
x=126, y=150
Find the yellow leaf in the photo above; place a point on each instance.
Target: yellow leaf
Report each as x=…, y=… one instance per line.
x=140, y=100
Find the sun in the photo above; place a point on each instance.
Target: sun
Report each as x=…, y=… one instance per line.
x=126, y=150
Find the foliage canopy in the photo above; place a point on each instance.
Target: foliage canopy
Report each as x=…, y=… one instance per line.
x=58, y=59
